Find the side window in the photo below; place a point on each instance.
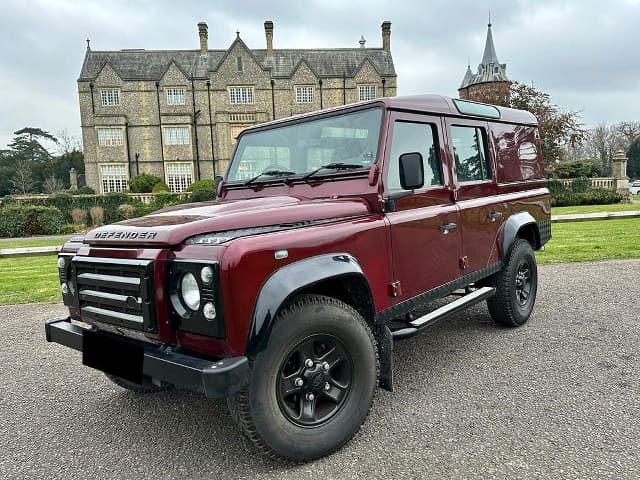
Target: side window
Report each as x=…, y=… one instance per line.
x=414, y=137
x=470, y=154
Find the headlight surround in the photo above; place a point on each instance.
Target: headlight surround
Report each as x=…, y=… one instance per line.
x=190, y=291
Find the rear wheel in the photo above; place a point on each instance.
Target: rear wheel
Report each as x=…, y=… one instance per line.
x=516, y=287
x=313, y=385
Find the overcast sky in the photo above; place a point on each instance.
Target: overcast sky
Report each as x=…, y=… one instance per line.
x=585, y=53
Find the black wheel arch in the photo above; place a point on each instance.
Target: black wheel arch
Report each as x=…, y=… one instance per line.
x=520, y=225
x=337, y=275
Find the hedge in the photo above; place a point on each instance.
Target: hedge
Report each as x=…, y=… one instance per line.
x=594, y=196
x=25, y=220
x=66, y=203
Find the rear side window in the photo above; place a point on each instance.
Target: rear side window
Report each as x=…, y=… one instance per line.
x=411, y=137
x=470, y=154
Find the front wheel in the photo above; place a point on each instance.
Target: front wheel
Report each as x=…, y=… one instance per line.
x=516, y=287
x=312, y=387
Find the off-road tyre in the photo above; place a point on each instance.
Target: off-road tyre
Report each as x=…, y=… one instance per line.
x=145, y=388
x=265, y=416
x=516, y=287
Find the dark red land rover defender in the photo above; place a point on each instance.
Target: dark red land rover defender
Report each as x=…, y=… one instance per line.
x=331, y=230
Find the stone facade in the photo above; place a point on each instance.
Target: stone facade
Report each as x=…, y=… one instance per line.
x=176, y=114
x=490, y=83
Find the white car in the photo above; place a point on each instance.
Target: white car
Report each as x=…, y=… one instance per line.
x=634, y=188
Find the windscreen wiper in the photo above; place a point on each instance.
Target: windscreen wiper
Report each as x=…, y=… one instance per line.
x=331, y=166
x=270, y=173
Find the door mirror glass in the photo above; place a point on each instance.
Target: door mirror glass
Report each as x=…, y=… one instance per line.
x=411, y=171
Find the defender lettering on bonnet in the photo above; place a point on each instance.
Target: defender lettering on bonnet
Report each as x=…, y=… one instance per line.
x=332, y=234
x=126, y=235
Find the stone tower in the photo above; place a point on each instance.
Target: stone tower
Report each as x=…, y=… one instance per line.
x=490, y=83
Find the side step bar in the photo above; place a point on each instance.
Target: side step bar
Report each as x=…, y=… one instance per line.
x=443, y=312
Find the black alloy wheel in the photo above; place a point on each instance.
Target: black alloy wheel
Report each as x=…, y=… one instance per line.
x=314, y=380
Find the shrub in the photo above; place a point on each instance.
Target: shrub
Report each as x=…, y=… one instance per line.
x=79, y=216
x=22, y=220
x=206, y=184
x=71, y=228
x=143, y=183
x=83, y=191
x=594, y=196
x=160, y=187
x=162, y=199
x=577, y=168
x=202, y=195
x=580, y=185
x=126, y=211
x=97, y=216
x=556, y=187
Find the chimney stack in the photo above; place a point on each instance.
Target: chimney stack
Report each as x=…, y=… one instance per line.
x=386, y=36
x=204, y=36
x=268, y=32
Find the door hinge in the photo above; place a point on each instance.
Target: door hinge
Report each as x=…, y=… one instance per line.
x=464, y=263
x=395, y=289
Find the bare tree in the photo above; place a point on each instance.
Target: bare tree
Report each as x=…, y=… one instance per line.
x=52, y=185
x=67, y=143
x=22, y=181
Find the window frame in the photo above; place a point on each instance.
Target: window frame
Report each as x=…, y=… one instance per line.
x=113, y=141
x=169, y=176
x=114, y=93
x=482, y=126
x=300, y=96
x=173, y=90
x=166, y=135
x=367, y=85
x=113, y=178
x=238, y=98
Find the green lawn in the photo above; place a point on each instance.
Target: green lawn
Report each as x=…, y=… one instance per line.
x=592, y=240
x=29, y=279
x=30, y=242
x=35, y=279
x=618, y=207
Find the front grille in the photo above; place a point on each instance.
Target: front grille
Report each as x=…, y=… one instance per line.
x=114, y=291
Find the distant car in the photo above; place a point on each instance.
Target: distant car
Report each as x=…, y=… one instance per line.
x=634, y=188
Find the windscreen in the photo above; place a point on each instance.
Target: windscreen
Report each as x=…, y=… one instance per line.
x=300, y=148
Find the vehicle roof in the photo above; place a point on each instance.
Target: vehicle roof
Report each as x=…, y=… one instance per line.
x=445, y=105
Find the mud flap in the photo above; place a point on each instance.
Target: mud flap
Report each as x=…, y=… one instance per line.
x=385, y=353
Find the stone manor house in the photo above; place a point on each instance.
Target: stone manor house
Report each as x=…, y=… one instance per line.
x=176, y=114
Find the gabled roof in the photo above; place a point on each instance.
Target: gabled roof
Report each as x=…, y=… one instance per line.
x=151, y=64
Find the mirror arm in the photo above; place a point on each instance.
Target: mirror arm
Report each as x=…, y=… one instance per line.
x=390, y=201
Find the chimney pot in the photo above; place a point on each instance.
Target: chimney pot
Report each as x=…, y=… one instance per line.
x=386, y=35
x=204, y=36
x=362, y=41
x=268, y=32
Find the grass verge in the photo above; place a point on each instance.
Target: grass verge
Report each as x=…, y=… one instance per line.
x=618, y=207
x=35, y=279
x=36, y=242
x=29, y=279
x=592, y=240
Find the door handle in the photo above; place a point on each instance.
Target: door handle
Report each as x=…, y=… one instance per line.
x=445, y=227
x=493, y=216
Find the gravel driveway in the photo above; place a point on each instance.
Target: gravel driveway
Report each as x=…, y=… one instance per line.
x=556, y=399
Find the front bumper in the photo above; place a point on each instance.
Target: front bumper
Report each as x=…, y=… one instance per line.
x=216, y=379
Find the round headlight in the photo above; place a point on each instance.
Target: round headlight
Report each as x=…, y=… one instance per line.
x=61, y=264
x=206, y=274
x=190, y=291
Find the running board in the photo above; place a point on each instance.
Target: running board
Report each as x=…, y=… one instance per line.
x=443, y=312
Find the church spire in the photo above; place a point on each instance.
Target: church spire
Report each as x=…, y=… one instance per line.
x=489, y=56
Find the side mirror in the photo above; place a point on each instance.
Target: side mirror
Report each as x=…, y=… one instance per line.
x=411, y=171
x=217, y=182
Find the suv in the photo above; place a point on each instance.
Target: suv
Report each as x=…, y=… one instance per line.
x=332, y=234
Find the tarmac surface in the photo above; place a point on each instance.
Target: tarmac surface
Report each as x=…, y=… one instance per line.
x=556, y=399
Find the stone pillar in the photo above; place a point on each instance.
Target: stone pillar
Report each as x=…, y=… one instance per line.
x=619, y=172
x=73, y=179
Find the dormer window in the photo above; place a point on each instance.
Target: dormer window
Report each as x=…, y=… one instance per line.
x=110, y=97
x=175, y=96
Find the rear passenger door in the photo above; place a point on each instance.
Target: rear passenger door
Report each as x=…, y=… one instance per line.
x=476, y=189
x=424, y=253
